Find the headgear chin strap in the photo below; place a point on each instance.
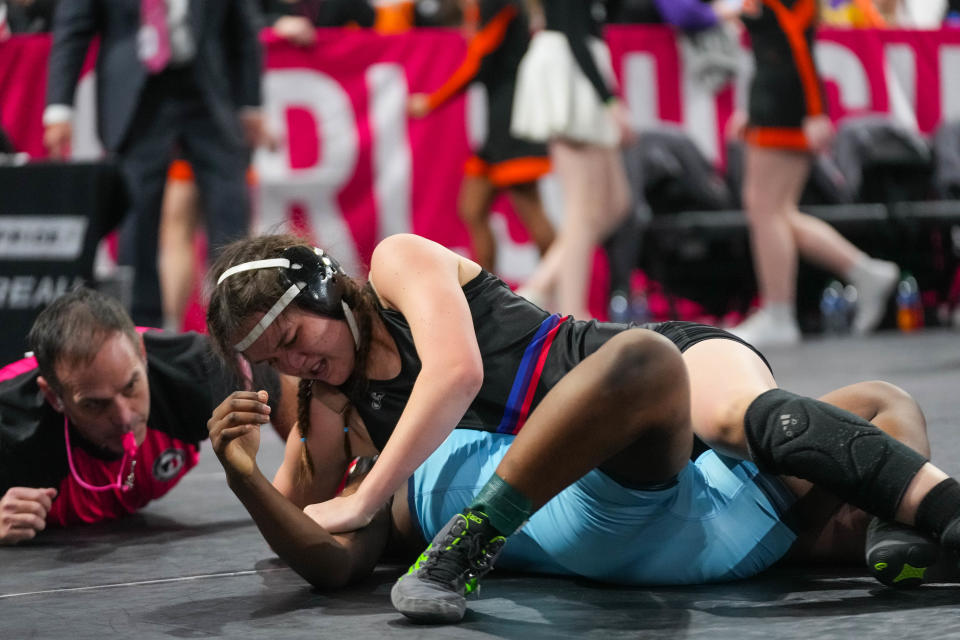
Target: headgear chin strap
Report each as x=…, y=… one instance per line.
x=315, y=280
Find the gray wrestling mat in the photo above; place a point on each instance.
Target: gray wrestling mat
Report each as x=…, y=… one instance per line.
x=194, y=566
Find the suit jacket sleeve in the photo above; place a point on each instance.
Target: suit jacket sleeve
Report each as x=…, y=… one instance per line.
x=74, y=25
x=243, y=46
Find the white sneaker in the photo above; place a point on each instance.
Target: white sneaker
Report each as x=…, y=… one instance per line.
x=874, y=287
x=763, y=330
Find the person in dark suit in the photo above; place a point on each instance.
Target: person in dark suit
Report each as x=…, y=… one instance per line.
x=189, y=81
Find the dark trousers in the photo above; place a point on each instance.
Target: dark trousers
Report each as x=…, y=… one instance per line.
x=172, y=114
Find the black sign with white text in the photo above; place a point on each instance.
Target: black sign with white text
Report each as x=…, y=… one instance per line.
x=52, y=217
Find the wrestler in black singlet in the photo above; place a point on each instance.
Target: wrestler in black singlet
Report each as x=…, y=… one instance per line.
x=525, y=352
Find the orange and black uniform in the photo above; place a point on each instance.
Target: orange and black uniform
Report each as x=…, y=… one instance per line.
x=493, y=56
x=786, y=87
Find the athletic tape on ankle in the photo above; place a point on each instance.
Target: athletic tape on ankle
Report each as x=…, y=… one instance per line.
x=506, y=508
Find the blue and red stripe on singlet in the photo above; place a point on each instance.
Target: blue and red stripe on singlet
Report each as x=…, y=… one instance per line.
x=517, y=411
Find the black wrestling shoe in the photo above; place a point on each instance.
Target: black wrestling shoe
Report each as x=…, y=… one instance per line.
x=901, y=556
x=434, y=589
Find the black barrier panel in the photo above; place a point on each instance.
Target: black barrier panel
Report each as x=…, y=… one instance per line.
x=52, y=217
x=928, y=241
x=705, y=255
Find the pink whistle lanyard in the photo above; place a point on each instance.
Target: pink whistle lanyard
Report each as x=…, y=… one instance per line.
x=129, y=451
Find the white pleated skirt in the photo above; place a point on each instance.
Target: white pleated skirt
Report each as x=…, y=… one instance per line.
x=554, y=98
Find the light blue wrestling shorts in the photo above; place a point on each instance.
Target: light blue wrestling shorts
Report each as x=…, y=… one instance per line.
x=721, y=521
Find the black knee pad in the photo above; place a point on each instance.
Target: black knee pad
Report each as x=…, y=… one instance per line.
x=793, y=435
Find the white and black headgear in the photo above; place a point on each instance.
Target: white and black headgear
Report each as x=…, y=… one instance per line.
x=314, y=279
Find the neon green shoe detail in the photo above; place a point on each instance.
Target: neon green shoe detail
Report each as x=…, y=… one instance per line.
x=423, y=557
x=470, y=586
x=910, y=572
x=435, y=587
x=898, y=555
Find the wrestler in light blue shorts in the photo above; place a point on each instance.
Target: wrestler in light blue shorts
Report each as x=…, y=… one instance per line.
x=720, y=521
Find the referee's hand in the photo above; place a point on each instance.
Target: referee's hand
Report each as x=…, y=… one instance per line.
x=23, y=512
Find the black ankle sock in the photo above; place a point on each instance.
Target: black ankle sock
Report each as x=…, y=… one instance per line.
x=939, y=508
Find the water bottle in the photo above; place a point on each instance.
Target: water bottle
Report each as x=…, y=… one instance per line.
x=904, y=316
x=619, y=307
x=917, y=307
x=639, y=308
x=834, y=309
x=624, y=308
x=852, y=297
x=909, y=304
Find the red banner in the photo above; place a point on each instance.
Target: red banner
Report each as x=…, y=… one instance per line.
x=351, y=168
x=350, y=165
x=23, y=82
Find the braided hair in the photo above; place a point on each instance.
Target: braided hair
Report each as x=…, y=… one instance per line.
x=232, y=303
x=304, y=398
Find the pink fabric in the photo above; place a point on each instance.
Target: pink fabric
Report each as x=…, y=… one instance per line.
x=23, y=79
x=153, y=39
x=161, y=462
x=14, y=369
x=23, y=85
